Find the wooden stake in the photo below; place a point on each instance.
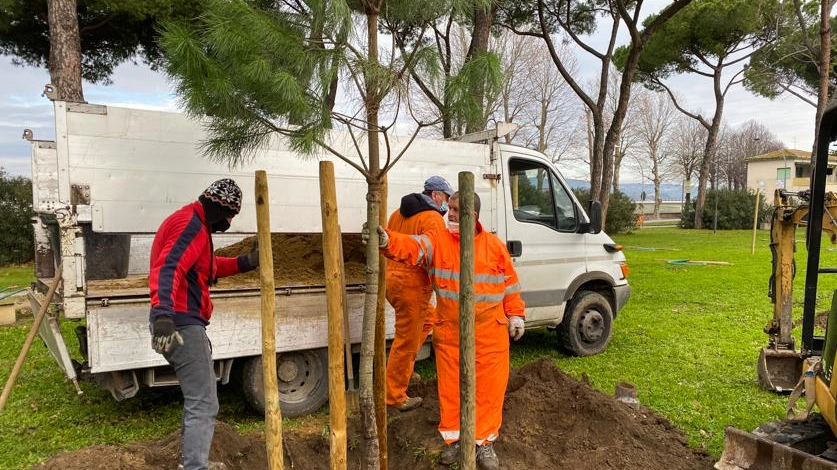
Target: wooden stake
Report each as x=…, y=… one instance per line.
x=272, y=414
x=467, y=355
x=334, y=301
x=7, y=390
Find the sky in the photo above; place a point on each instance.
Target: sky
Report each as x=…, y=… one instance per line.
x=22, y=106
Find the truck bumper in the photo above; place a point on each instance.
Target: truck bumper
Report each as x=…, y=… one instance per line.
x=621, y=294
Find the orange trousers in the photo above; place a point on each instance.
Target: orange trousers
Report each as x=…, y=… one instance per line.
x=491, y=338
x=409, y=294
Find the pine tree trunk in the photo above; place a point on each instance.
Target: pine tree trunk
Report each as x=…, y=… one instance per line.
x=65, y=49
x=483, y=18
x=710, y=152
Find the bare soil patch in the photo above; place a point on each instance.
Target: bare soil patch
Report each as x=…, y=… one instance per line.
x=551, y=421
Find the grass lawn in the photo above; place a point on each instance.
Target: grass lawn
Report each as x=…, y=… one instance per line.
x=16, y=276
x=688, y=340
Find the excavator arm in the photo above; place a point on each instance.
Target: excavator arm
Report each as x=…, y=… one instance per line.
x=807, y=440
x=779, y=363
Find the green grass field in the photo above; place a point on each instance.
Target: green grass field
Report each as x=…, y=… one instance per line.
x=688, y=340
x=16, y=276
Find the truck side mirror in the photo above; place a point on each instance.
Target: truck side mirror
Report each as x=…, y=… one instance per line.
x=595, y=213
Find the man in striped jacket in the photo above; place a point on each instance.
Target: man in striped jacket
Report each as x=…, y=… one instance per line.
x=499, y=313
x=183, y=266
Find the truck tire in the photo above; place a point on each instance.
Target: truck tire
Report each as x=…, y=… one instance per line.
x=302, y=379
x=587, y=325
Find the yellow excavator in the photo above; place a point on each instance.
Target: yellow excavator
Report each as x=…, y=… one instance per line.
x=805, y=440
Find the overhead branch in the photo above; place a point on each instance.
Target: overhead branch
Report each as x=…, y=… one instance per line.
x=559, y=63
x=696, y=117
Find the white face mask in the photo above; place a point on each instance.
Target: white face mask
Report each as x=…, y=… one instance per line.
x=453, y=227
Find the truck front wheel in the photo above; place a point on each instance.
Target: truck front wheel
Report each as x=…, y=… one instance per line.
x=587, y=325
x=302, y=379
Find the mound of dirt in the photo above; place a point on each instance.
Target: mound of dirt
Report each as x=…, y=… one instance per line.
x=298, y=259
x=551, y=421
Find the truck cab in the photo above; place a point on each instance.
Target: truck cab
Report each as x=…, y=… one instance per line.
x=575, y=279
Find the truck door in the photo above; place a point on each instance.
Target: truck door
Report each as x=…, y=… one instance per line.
x=542, y=219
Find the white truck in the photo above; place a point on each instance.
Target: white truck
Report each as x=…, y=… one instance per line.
x=113, y=174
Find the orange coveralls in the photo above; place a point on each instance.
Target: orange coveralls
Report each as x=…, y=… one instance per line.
x=497, y=297
x=408, y=291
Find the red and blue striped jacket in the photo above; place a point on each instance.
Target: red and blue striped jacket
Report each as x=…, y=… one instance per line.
x=184, y=265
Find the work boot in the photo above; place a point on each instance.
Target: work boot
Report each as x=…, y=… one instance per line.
x=415, y=378
x=487, y=458
x=409, y=404
x=450, y=454
x=210, y=466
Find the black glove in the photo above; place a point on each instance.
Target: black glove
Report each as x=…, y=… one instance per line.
x=253, y=257
x=164, y=334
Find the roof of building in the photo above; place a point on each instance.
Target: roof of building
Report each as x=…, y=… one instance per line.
x=781, y=154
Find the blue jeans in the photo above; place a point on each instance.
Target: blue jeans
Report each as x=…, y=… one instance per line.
x=192, y=363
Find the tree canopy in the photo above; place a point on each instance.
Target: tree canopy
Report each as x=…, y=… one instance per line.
x=790, y=64
x=110, y=32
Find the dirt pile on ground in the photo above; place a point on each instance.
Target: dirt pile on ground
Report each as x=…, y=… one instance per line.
x=298, y=259
x=551, y=421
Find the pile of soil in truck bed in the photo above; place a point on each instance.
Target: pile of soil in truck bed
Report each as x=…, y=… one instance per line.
x=551, y=421
x=298, y=259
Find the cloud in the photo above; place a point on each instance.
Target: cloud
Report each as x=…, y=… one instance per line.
x=22, y=105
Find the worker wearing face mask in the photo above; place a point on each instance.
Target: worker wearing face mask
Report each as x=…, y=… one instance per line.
x=498, y=316
x=183, y=267
x=408, y=288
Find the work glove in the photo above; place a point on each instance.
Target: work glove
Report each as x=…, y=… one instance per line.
x=253, y=257
x=516, y=328
x=383, y=238
x=164, y=334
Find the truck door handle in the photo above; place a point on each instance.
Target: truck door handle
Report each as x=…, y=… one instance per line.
x=515, y=248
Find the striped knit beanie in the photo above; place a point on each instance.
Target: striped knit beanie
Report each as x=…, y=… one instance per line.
x=226, y=193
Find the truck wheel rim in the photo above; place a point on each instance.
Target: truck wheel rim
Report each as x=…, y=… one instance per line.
x=298, y=374
x=591, y=326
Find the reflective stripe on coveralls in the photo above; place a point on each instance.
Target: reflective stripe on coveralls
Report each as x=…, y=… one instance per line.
x=497, y=296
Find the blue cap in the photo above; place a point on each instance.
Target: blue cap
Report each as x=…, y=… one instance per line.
x=437, y=183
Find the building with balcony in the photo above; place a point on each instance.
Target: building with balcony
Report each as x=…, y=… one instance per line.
x=785, y=169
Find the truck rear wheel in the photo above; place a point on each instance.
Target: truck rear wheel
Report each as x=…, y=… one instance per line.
x=302, y=378
x=587, y=326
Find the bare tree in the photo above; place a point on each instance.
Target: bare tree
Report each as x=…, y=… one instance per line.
x=574, y=20
x=535, y=96
x=749, y=139
x=628, y=136
x=655, y=120
x=686, y=146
